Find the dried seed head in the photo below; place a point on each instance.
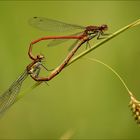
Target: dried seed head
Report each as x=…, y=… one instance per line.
x=135, y=107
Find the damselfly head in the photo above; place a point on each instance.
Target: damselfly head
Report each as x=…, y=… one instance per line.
x=103, y=27
x=40, y=57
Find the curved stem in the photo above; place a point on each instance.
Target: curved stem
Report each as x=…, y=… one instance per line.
x=121, y=79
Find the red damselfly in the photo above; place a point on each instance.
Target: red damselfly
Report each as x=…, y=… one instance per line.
x=87, y=34
x=63, y=64
x=46, y=24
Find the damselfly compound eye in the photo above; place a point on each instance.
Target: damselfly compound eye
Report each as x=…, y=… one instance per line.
x=40, y=56
x=104, y=27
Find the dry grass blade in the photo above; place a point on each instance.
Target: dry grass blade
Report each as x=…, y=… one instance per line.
x=67, y=135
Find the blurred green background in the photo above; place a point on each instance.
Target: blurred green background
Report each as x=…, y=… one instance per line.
x=86, y=100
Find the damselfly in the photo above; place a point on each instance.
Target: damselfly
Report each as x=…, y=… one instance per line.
x=46, y=24
x=87, y=34
x=9, y=96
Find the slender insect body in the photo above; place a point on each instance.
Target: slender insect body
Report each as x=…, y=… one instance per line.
x=33, y=69
x=95, y=29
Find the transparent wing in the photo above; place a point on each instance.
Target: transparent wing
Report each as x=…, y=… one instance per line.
x=73, y=45
x=47, y=24
x=55, y=42
x=9, y=96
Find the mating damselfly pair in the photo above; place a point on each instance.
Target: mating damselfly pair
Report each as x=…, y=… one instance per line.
x=33, y=69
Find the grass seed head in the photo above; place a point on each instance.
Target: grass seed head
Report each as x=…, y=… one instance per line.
x=135, y=108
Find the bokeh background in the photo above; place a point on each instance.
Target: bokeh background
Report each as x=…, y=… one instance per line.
x=86, y=100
